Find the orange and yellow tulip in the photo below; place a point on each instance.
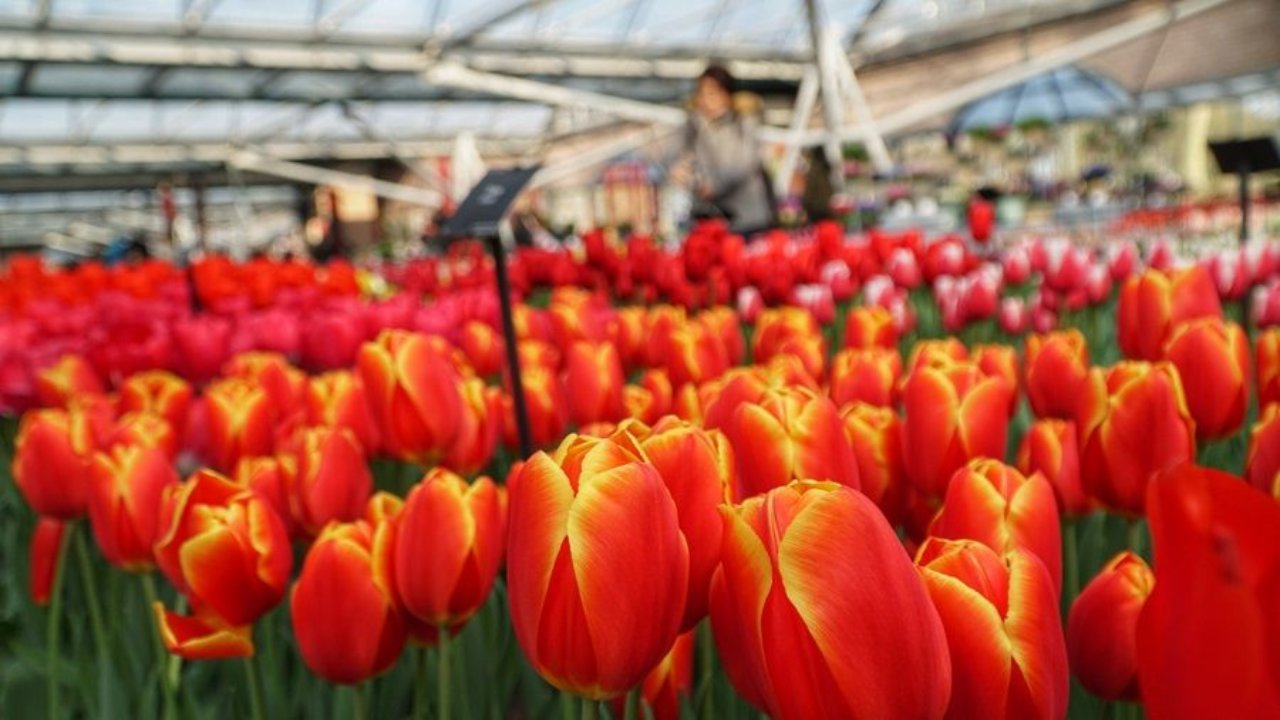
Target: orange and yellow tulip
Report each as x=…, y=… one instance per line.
x=51, y=461
x=479, y=428
x=790, y=331
x=160, y=392
x=126, y=484
x=241, y=418
x=67, y=378
x=868, y=375
x=338, y=399
x=790, y=434
x=1102, y=628
x=1212, y=358
x=870, y=327
x=412, y=387
x=593, y=383
x=1008, y=654
x=343, y=608
x=1057, y=366
x=875, y=434
x=1050, y=449
x=597, y=567
x=327, y=478
x=1154, y=303
x=1133, y=424
x=807, y=568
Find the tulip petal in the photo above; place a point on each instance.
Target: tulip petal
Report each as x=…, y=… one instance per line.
x=539, y=512
x=202, y=638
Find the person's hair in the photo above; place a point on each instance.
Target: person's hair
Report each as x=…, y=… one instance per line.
x=721, y=76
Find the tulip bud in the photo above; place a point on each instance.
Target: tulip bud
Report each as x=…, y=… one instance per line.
x=869, y=376
x=412, y=388
x=241, y=421
x=1212, y=358
x=1102, y=628
x=597, y=567
x=126, y=484
x=783, y=611
x=345, y=619
x=1133, y=423
x=594, y=381
x=51, y=461
x=1008, y=654
x=45, y=555
x=328, y=478
x=790, y=434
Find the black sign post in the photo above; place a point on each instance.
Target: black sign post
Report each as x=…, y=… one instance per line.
x=480, y=216
x=1243, y=157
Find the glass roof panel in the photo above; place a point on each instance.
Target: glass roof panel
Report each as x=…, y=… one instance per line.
x=196, y=81
x=148, y=11
x=77, y=79
x=9, y=74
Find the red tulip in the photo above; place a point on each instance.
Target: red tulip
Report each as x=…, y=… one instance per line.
x=807, y=569
x=1102, y=629
x=1050, y=449
x=337, y=399
x=449, y=541
x=225, y=549
x=1057, y=367
x=1262, y=467
x=1133, y=424
x=126, y=484
x=1008, y=654
x=1207, y=638
x=283, y=383
x=51, y=461
x=480, y=426
x=159, y=392
x=1000, y=361
x=954, y=413
x=870, y=375
x=1212, y=358
x=994, y=504
x=593, y=383
x=412, y=388
x=791, y=434
x=201, y=345
x=597, y=568
x=331, y=339
x=343, y=607
x=1154, y=303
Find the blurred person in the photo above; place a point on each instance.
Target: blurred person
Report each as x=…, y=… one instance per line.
x=818, y=192
x=720, y=140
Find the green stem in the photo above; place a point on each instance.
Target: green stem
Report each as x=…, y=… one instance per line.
x=589, y=708
x=167, y=687
x=359, y=709
x=442, y=675
x=568, y=703
x=255, y=691
x=91, y=597
x=55, y=626
x=707, y=653
x=420, y=682
x=1071, y=551
x=631, y=708
x=1135, y=536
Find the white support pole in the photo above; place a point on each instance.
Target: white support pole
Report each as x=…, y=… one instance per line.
x=851, y=92
x=832, y=113
x=1075, y=51
x=321, y=176
x=806, y=98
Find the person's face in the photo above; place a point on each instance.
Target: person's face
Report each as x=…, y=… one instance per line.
x=710, y=99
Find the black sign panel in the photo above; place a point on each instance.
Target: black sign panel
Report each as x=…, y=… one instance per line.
x=488, y=202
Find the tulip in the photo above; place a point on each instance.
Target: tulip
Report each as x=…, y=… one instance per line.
x=225, y=549
x=1262, y=467
x=1267, y=365
x=1050, y=448
x=933, y=351
x=651, y=399
x=698, y=468
x=479, y=428
x=695, y=353
x=331, y=339
x=126, y=484
x=1212, y=358
x=449, y=542
x=412, y=388
x=953, y=413
x=875, y=434
x=790, y=434
x=725, y=324
x=269, y=478
x=160, y=392
x=1102, y=628
x=719, y=399
x=807, y=569
x=597, y=568
x=1013, y=315
x=593, y=383
x=1008, y=654
x=870, y=375
x=345, y=619
x=1206, y=638
x=284, y=383
x=201, y=344
x=1154, y=303
x=145, y=429
x=51, y=461
x=240, y=421
x=338, y=399
x=1133, y=423
x=483, y=347
x=1000, y=361
x=70, y=376
x=1057, y=365
x=327, y=479
x=46, y=554
x=792, y=331
x=998, y=506
x=544, y=402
